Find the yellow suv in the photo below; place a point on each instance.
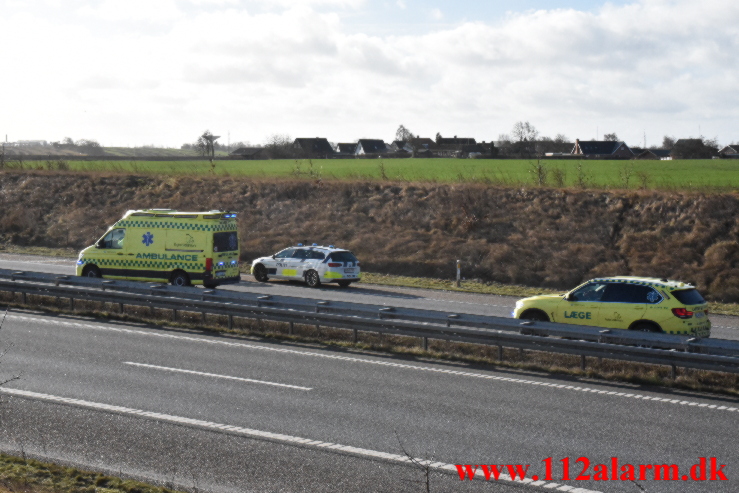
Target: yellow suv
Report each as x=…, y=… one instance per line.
x=634, y=303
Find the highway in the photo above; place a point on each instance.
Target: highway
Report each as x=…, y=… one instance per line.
x=217, y=413
x=724, y=327
x=283, y=401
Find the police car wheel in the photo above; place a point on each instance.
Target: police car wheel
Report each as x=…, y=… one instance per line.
x=311, y=277
x=344, y=284
x=180, y=278
x=91, y=271
x=260, y=273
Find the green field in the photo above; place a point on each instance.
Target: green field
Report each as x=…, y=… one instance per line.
x=721, y=175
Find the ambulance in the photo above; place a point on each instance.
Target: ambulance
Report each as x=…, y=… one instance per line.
x=165, y=245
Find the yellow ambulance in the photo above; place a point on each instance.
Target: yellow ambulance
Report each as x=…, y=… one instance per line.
x=164, y=245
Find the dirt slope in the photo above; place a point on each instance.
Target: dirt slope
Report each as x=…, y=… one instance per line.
x=532, y=236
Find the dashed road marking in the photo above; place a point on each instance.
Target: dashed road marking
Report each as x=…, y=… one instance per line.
x=391, y=364
x=279, y=438
x=215, y=375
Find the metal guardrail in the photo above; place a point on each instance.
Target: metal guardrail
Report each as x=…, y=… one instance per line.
x=652, y=348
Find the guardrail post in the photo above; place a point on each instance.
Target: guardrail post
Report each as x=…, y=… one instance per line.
x=356, y=336
x=673, y=372
x=500, y=352
x=120, y=307
x=202, y=318
x=291, y=330
x=459, y=273
x=25, y=300
x=71, y=304
x=451, y=317
x=230, y=322
x=582, y=362
x=425, y=343
x=174, y=315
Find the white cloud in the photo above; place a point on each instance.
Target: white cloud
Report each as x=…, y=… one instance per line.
x=437, y=14
x=666, y=66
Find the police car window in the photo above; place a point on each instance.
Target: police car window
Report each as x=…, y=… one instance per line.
x=286, y=253
x=589, y=292
x=300, y=253
x=227, y=241
x=343, y=257
x=114, y=239
x=316, y=255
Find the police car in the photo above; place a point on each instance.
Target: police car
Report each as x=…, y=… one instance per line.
x=313, y=264
x=634, y=303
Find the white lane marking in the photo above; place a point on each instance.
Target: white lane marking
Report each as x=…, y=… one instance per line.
x=215, y=375
x=275, y=437
x=368, y=361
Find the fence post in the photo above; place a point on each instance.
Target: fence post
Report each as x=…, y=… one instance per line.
x=459, y=273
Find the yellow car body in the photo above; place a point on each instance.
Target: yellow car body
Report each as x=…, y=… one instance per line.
x=633, y=303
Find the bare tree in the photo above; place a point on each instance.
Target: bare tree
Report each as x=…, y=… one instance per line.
x=403, y=134
x=668, y=142
x=279, y=146
x=611, y=137
x=524, y=131
x=561, y=139
x=205, y=145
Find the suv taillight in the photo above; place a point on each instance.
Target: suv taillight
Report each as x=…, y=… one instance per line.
x=682, y=312
x=334, y=264
x=208, y=264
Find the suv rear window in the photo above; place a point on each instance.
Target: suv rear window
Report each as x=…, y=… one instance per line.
x=343, y=257
x=688, y=297
x=225, y=242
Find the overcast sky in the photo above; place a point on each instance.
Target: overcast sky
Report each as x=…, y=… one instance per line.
x=137, y=72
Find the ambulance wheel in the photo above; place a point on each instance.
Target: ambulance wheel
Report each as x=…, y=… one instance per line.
x=260, y=273
x=312, y=279
x=179, y=278
x=344, y=284
x=91, y=271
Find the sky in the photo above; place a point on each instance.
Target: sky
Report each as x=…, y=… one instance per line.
x=160, y=72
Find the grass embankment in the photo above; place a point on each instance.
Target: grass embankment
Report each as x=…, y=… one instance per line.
x=23, y=475
x=705, y=174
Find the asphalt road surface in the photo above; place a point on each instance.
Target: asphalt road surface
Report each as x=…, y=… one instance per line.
x=724, y=327
x=220, y=413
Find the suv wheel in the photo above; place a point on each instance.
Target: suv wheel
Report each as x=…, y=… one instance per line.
x=537, y=315
x=312, y=278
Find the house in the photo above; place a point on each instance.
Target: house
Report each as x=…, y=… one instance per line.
x=419, y=143
x=731, y=151
x=346, y=149
x=602, y=149
x=654, y=154
x=693, y=149
x=401, y=147
x=248, y=153
x=371, y=146
x=455, y=141
x=316, y=148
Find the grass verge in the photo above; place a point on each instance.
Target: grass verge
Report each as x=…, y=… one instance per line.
x=460, y=354
x=25, y=475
